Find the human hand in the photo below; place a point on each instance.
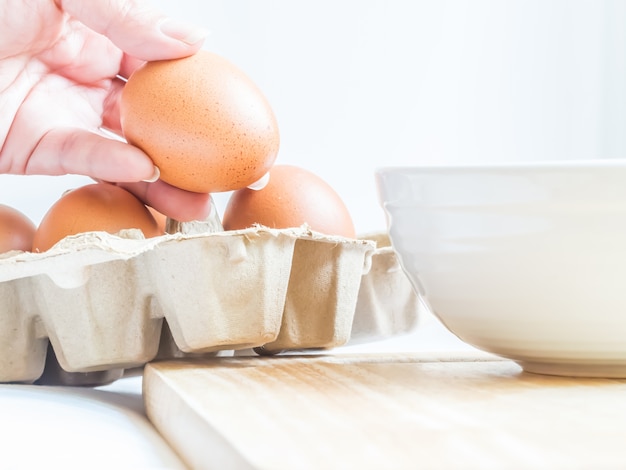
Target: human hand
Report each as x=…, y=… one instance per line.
x=62, y=70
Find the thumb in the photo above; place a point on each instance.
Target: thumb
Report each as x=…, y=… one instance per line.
x=136, y=28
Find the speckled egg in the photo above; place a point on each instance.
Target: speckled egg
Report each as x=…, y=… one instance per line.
x=98, y=207
x=293, y=196
x=204, y=123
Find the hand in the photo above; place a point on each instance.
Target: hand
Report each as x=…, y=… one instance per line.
x=62, y=69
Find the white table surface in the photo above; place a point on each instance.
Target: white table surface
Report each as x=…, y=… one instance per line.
x=106, y=427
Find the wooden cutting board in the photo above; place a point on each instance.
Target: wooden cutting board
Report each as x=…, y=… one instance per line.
x=384, y=412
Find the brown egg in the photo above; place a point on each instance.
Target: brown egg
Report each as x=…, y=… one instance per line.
x=94, y=207
x=161, y=219
x=204, y=123
x=16, y=230
x=293, y=196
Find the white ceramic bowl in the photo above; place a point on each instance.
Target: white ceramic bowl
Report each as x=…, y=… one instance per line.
x=524, y=261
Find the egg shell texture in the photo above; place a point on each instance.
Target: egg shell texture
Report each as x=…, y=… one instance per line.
x=203, y=122
x=293, y=197
x=94, y=207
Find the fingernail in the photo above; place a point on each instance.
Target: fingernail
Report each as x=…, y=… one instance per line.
x=155, y=176
x=182, y=31
x=260, y=183
x=209, y=209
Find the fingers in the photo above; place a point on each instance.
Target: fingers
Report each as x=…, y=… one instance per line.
x=173, y=202
x=75, y=151
x=260, y=183
x=129, y=64
x=111, y=107
x=136, y=29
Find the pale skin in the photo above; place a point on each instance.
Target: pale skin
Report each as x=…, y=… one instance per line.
x=62, y=69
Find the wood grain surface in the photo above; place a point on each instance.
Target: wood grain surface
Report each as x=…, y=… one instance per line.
x=384, y=412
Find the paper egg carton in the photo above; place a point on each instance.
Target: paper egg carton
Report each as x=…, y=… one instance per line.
x=98, y=305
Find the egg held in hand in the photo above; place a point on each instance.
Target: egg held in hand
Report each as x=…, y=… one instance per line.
x=16, y=230
x=292, y=197
x=202, y=121
x=98, y=207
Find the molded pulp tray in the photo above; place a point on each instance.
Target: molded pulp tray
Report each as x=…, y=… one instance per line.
x=96, y=304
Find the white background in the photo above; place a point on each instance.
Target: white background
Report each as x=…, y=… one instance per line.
x=359, y=84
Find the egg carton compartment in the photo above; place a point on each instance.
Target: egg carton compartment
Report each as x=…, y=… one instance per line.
x=321, y=299
x=98, y=304
x=101, y=314
x=387, y=304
